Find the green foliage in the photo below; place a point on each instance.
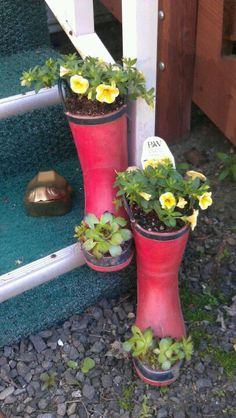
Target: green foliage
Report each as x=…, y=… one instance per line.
x=194, y=304
x=129, y=80
x=48, y=380
x=229, y=165
x=146, y=410
x=71, y=364
x=161, y=189
x=139, y=343
x=170, y=351
x=160, y=353
x=126, y=401
x=104, y=235
x=87, y=364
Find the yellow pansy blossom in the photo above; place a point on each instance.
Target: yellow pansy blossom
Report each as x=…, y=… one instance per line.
x=156, y=162
x=205, y=200
x=79, y=84
x=181, y=203
x=192, y=219
x=167, y=200
x=195, y=174
x=23, y=83
x=63, y=71
x=106, y=93
x=146, y=196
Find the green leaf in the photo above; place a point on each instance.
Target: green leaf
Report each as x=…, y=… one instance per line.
x=89, y=245
x=72, y=364
x=224, y=173
x=115, y=250
x=87, y=364
x=126, y=234
x=91, y=220
x=222, y=156
x=165, y=343
x=116, y=239
x=103, y=247
x=121, y=221
x=106, y=217
x=127, y=346
x=166, y=365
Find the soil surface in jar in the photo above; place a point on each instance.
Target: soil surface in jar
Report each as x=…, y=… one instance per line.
x=151, y=223
x=80, y=105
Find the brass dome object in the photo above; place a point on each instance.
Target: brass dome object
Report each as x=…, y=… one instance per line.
x=48, y=194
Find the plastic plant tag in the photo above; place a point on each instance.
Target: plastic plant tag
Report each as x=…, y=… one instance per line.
x=155, y=149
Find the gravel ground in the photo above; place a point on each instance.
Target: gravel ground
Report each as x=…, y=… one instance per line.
x=36, y=379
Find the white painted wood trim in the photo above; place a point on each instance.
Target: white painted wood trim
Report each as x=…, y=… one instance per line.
x=40, y=271
x=86, y=44
x=80, y=16
x=139, y=25
x=21, y=103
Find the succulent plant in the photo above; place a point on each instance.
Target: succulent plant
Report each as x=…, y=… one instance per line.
x=160, y=353
x=140, y=342
x=103, y=236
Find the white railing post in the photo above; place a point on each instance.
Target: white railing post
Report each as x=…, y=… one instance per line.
x=139, y=23
x=80, y=16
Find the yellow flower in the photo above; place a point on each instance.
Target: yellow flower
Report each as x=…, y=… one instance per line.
x=63, y=71
x=167, y=200
x=156, y=163
x=79, y=84
x=181, y=203
x=205, y=200
x=196, y=174
x=106, y=93
x=146, y=196
x=192, y=219
x=23, y=83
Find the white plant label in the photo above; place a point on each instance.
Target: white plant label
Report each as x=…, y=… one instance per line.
x=155, y=148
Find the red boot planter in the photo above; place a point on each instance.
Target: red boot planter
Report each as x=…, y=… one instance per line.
x=158, y=259
x=158, y=304
x=101, y=144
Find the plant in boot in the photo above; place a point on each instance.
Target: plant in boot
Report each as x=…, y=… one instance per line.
x=161, y=198
x=103, y=237
x=96, y=86
x=155, y=353
x=140, y=343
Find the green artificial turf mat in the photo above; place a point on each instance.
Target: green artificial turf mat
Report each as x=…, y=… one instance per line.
x=12, y=66
x=25, y=238
x=23, y=25
x=55, y=301
x=34, y=141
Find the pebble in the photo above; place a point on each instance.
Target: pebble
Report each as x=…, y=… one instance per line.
x=6, y=392
x=88, y=391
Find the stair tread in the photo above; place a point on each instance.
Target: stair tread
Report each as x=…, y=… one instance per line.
x=25, y=238
x=12, y=66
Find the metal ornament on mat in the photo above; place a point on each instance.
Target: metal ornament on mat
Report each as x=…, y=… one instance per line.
x=48, y=194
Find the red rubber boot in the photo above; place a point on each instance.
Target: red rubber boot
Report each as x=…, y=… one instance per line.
x=101, y=144
x=158, y=260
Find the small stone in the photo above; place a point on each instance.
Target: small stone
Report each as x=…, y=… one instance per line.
x=97, y=348
x=6, y=392
x=106, y=381
x=38, y=343
x=22, y=369
x=97, y=313
x=88, y=391
x=71, y=409
x=45, y=334
x=179, y=414
x=47, y=415
x=162, y=413
x=61, y=409
x=203, y=383
x=76, y=394
x=43, y=403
